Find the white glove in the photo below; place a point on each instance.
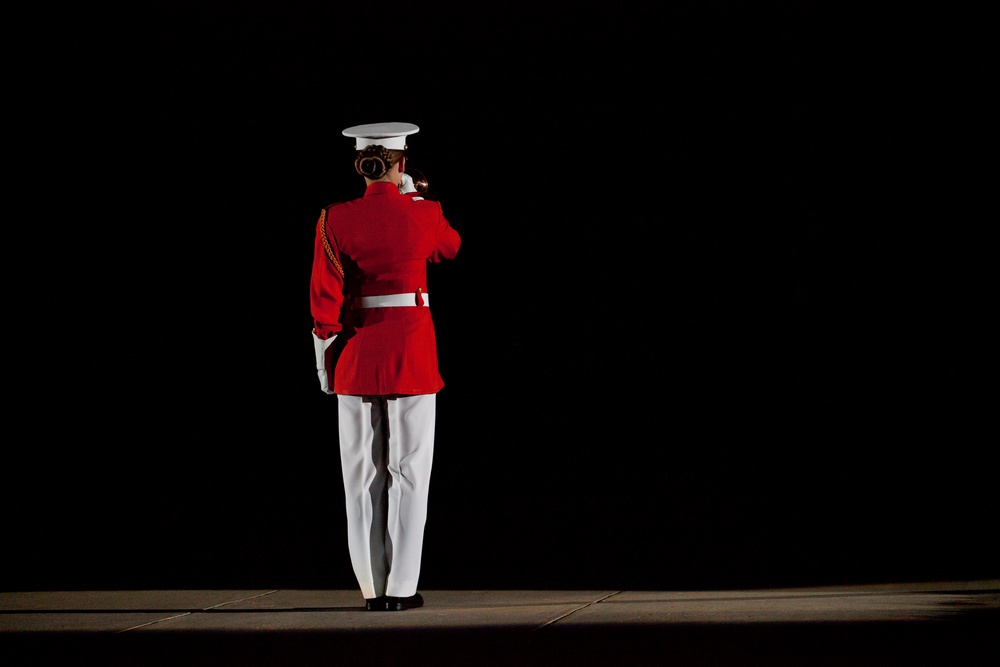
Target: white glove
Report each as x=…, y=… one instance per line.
x=406, y=184
x=321, y=347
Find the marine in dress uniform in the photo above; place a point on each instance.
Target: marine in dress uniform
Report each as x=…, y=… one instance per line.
x=376, y=350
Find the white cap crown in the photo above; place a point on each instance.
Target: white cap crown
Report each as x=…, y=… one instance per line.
x=389, y=135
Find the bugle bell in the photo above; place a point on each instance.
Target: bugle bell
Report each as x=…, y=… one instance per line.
x=419, y=180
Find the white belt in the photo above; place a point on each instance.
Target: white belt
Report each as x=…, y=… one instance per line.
x=391, y=300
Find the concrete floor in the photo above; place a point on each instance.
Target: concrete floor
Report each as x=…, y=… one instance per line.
x=927, y=623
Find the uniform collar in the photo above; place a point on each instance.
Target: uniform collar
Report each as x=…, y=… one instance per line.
x=381, y=188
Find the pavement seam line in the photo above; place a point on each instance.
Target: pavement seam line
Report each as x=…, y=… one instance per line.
x=159, y=620
x=188, y=613
x=251, y=597
x=573, y=611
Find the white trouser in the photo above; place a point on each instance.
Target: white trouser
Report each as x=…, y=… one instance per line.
x=386, y=450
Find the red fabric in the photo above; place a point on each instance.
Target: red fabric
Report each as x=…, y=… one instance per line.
x=384, y=241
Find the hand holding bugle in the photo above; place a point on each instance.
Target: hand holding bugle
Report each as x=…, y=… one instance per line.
x=413, y=181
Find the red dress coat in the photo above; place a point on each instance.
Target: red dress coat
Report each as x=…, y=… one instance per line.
x=382, y=242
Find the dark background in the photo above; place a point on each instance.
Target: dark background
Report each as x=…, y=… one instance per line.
x=718, y=317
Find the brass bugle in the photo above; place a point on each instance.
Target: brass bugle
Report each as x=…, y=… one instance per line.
x=419, y=180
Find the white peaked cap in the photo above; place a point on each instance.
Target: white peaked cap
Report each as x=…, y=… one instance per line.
x=389, y=135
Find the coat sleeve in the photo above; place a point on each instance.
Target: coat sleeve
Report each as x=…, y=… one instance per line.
x=448, y=240
x=326, y=290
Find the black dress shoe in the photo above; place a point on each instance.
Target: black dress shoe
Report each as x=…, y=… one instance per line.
x=376, y=604
x=400, y=604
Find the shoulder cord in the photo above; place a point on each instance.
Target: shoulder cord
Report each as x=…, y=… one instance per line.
x=326, y=244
